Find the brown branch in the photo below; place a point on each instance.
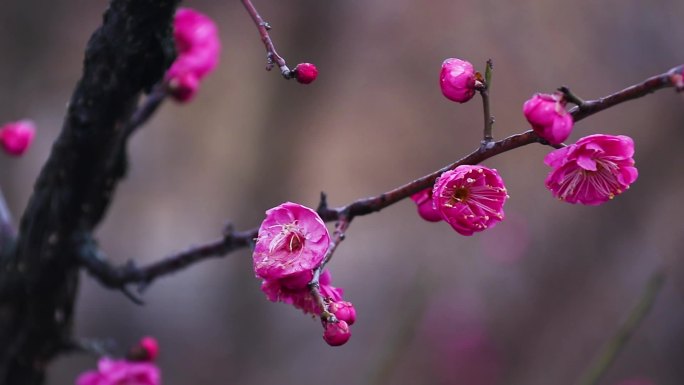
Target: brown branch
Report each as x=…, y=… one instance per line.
x=119, y=276
x=671, y=78
x=271, y=54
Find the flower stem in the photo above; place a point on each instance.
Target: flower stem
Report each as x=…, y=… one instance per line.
x=488, y=118
x=625, y=332
x=271, y=54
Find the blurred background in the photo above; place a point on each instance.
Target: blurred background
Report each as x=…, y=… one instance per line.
x=529, y=302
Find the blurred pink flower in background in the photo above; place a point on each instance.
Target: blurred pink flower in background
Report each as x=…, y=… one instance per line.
x=470, y=198
x=461, y=349
x=199, y=48
x=593, y=170
x=548, y=117
x=16, y=137
x=121, y=372
x=457, y=80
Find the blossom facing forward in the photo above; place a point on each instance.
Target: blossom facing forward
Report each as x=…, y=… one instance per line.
x=457, y=80
x=548, y=117
x=470, y=198
x=16, y=137
x=198, y=46
x=292, y=239
x=592, y=171
x=121, y=372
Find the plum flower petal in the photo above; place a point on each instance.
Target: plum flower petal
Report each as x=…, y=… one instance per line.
x=292, y=239
x=470, y=198
x=294, y=290
x=121, y=372
x=592, y=171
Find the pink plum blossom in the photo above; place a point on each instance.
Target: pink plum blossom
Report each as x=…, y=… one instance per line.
x=470, y=198
x=426, y=209
x=306, y=73
x=121, y=372
x=457, y=80
x=336, y=333
x=548, y=117
x=198, y=47
x=292, y=239
x=16, y=137
x=593, y=170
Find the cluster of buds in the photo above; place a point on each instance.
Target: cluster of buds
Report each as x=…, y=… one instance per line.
x=198, y=47
x=292, y=243
x=16, y=137
x=137, y=369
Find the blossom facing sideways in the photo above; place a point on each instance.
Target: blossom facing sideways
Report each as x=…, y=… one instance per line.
x=470, y=198
x=16, y=137
x=548, y=117
x=121, y=372
x=457, y=80
x=198, y=47
x=592, y=171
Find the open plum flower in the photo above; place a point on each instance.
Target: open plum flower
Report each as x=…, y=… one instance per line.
x=592, y=171
x=470, y=198
x=292, y=239
x=291, y=244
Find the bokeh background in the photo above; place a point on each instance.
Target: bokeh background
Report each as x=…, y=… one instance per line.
x=528, y=302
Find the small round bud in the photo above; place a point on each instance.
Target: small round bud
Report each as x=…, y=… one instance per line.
x=16, y=137
x=426, y=208
x=151, y=347
x=548, y=117
x=305, y=73
x=336, y=333
x=457, y=80
x=343, y=311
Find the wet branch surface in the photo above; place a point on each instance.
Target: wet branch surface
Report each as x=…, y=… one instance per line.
x=125, y=57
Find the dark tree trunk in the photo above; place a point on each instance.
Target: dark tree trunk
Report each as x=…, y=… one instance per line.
x=126, y=56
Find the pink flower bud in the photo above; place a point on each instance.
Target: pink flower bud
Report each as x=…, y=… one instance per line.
x=470, y=198
x=198, y=47
x=548, y=117
x=305, y=73
x=151, y=347
x=592, y=171
x=344, y=311
x=118, y=372
x=16, y=137
x=336, y=333
x=457, y=80
x=426, y=209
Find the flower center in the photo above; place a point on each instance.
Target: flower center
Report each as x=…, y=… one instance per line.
x=290, y=238
x=460, y=194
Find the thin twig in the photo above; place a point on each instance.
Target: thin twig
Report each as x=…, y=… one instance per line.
x=625, y=332
x=314, y=286
x=271, y=54
x=146, y=109
x=488, y=118
x=117, y=276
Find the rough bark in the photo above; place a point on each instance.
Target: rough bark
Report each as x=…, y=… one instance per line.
x=126, y=56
